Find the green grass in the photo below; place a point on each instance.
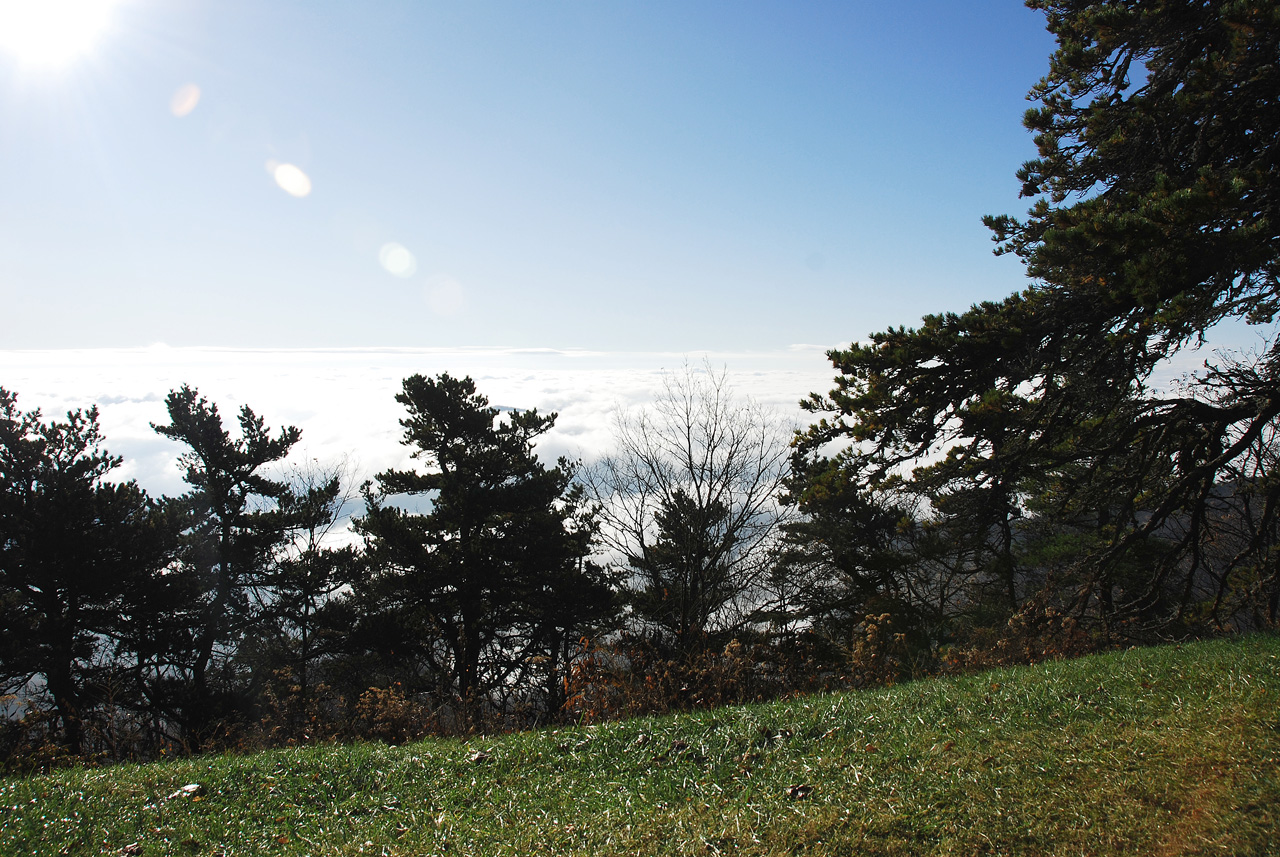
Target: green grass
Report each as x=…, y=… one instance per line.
x=1171, y=750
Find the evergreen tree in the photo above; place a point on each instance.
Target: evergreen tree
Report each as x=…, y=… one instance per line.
x=480, y=570
x=232, y=526
x=304, y=583
x=1155, y=219
x=74, y=549
x=843, y=557
x=686, y=571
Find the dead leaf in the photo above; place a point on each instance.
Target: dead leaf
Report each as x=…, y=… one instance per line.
x=191, y=790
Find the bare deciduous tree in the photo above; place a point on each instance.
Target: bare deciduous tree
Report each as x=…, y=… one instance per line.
x=689, y=502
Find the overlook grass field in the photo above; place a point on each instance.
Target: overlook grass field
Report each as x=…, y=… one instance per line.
x=1164, y=751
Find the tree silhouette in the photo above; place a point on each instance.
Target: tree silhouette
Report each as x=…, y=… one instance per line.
x=74, y=549
x=478, y=583
x=231, y=526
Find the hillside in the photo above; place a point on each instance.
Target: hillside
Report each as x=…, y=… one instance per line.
x=1171, y=750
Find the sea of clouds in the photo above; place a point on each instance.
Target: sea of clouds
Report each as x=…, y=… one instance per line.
x=343, y=399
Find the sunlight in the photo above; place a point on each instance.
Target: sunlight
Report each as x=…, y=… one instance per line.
x=52, y=33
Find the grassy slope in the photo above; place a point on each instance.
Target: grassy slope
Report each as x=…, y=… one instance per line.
x=1154, y=751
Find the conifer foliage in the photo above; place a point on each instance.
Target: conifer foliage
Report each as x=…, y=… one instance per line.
x=75, y=551
x=231, y=527
x=1155, y=218
x=487, y=573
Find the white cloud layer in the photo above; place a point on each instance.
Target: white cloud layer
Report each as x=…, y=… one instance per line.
x=344, y=399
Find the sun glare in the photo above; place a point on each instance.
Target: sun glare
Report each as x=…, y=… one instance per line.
x=52, y=33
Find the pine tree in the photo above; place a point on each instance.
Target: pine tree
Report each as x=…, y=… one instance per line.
x=1154, y=219
x=232, y=527
x=477, y=561
x=74, y=549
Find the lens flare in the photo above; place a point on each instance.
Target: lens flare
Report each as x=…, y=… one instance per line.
x=184, y=100
x=291, y=178
x=397, y=259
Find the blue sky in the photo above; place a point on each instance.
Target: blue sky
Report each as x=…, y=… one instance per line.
x=653, y=176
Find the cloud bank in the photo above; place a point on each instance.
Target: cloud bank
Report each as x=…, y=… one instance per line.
x=344, y=399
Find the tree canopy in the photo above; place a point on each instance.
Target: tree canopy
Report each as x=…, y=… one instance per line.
x=231, y=526
x=75, y=551
x=1154, y=219
x=488, y=572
